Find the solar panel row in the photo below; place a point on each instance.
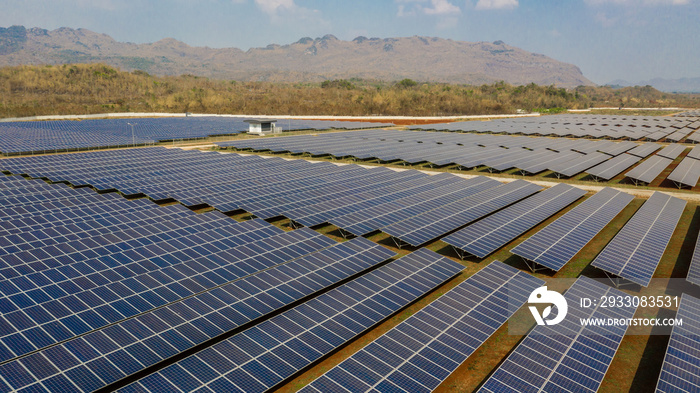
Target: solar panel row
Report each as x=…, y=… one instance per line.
x=419, y=353
x=636, y=250
x=680, y=371
x=584, y=126
x=368, y=220
x=263, y=356
x=59, y=135
x=560, y=241
x=569, y=356
x=495, y=152
x=422, y=228
x=493, y=232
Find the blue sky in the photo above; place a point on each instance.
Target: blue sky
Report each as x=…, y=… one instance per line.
x=633, y=40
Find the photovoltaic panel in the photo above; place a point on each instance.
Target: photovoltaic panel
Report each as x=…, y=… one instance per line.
x=493, y=232
x=649, y=170
x=636, y=250
x=104, y=356
x=570, y=168
x=612, y=167
x=560, y=241
x=694, y=153
x=680, y=371
x=422, y=228
x=644, y=149
x=419, y=353
x=260, y=358
x=568, y=356
x=368, y=220
x=686, y=173
x=694, y=270
x=671, y=151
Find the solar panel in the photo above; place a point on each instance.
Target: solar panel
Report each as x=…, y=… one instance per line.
x=566, y=356
x=636, y=250
x=568, y=168
x=680, y=371
x=694, y=270
x=649, y=170
x=256, y=286
x=644, y=150
x=671, y=151
x=686, y=173
x=560, y=241
x=694, y=153
x=614, y=166
x=260, y=358
x=424, y=227
x=419, y=353
x=372, y=219
x=493, y=232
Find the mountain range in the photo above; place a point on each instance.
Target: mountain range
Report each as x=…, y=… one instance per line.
x=309, y=59
x=681, y=85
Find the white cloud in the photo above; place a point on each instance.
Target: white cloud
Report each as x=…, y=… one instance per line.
x=431, y=7
x=496, y=4
x=442, y=7
x=274, y=7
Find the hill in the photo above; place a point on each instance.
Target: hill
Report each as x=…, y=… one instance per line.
x=681, y=85
x=306, y=60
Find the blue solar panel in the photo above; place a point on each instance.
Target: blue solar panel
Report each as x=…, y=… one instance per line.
x=103, y=356
x=424, y=227
x=263, y=356
x=636, y=250
x=560, y=241
x=567, y=356
x=493, y=232
x=681, y=368
x=418, y=354
x=372, y=219
x=694, y=270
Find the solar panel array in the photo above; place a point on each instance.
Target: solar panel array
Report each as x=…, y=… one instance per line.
x=582, y=126
x=422, y=228
x=493, y=232
x=60, y=135
x=95, y=288
x=680, y=371
x=636, y=250
x=310, y=193
x=530, y=155
x=419, y=353
x=260, y=358
x=568, y=356
x=558, y=243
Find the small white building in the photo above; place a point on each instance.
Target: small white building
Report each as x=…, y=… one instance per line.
x=262, y=126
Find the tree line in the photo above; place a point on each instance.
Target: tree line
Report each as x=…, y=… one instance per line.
x=98, y=88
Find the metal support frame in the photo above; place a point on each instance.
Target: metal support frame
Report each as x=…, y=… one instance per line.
x=345, y=234
x=618, y=281
x=399, y=244
x=294, y=224
x=533, y=266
